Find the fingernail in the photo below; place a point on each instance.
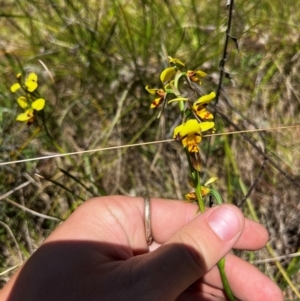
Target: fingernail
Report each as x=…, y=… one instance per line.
x=225, y=223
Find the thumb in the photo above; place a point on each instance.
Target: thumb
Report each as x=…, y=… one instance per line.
x=194, y=250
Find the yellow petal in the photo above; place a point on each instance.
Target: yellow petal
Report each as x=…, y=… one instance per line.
x=200, y=73
x=211, y=180
x=175, y=61
x=205, y=99
x=32, y=77
x=31, y=86
x=150, y=90
x=207, y=125
x=167, y=74
x=22, y=101
x=25, y=116
x=15, y=87
x=177, y=130
x=31, y=82
x=192, y=126
x=204, y=191
x=178, y=99
x=22, y=117
x=38, y=104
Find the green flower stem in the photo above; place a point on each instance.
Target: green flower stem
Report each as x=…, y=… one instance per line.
x=198, y=193
x=215, y=194
x=221, y=267
x=221, y=264
x=218, y=198
x=196, y=182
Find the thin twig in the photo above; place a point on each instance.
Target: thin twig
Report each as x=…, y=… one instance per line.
x=3, y=196
x=238, y=131
x=9, y=269
x=282, y=257
x=224, y=57
x=33, y=212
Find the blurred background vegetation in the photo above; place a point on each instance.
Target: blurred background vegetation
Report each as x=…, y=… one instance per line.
x=94, y=59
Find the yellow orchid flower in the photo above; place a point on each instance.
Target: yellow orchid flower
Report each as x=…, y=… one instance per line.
x=157, y=101
x=28, y=102
x=168, y=73
x=28, y=115
x=38, y=104
x=194, y=75
x=30, y=83
x=190, y=133
x=16, y=86
x=191, y=196
x=192, y=126
x=199, y=106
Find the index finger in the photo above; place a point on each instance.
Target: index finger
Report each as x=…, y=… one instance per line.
x=126, y=215
x=169, y=216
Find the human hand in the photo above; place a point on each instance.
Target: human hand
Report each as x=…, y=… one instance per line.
x=100, y=253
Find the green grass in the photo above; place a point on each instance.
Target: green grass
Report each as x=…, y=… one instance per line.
x=94, y=58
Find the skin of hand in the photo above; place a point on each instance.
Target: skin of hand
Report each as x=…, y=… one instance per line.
x=100, y=253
